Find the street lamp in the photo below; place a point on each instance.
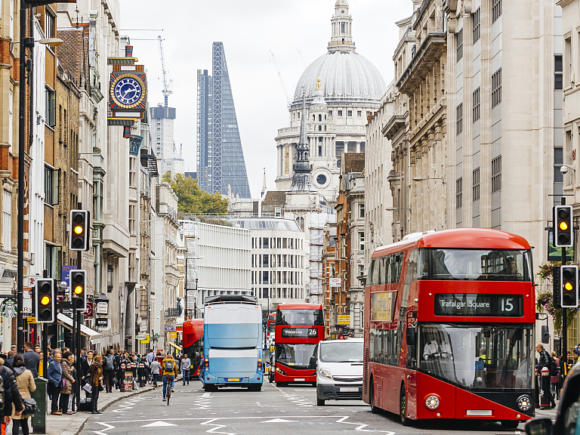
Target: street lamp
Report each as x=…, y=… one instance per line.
x=429, y=178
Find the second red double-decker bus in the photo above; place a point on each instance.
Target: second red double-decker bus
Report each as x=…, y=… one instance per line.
x=299, y=329
x=449, y=327
x=193, y=344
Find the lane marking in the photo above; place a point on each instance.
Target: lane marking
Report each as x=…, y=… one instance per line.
x=279, y=420
x=108, y=427
x=159, y=424
x=206, y=394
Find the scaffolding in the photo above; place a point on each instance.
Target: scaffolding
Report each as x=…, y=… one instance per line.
x=317, y=222
x=191, y=267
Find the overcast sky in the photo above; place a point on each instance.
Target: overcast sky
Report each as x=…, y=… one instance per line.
x=296, y=31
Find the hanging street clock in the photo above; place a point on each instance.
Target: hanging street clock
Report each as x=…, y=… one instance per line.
x=128, y=91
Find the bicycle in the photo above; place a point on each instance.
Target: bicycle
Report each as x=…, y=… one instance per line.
x=168, y=394
x=168, y=385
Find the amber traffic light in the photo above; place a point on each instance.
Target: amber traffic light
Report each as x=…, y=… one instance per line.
x=79, y=234
x=563, y=221
x=45, y=304
x=78, y=285
x=569, y=280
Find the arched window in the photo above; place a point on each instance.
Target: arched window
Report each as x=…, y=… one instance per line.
x=300, y=222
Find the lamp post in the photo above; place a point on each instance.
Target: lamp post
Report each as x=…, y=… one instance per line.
x=25, y=42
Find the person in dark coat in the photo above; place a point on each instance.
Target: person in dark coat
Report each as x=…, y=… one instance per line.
x=31, y=359
x=11, y=393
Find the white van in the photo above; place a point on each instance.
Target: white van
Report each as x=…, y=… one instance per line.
x=339, y=370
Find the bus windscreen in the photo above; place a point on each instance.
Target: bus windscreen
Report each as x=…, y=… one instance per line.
x=300, y=317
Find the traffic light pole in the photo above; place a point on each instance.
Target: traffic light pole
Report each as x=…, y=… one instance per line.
x=77, y=338
x=564, y=310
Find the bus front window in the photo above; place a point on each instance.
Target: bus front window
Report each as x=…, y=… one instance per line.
x=477, y=357
x=297, y=355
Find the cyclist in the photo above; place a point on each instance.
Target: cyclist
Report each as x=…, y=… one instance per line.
x=169, y=366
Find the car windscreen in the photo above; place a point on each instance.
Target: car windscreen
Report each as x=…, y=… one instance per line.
x=341, y=352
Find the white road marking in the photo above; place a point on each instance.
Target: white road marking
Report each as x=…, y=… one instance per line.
x=361, y=427
x=206, y=395
x=159, y=424
x=107, y=427
x=279, y=420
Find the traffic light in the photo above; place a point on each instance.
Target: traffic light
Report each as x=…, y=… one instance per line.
x=78, y=289
x=564, y=226
x=45, y=301
x=79, y=231
x=569, y=289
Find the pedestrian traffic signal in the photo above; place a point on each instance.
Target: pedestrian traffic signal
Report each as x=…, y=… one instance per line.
x=79, y=232
x=569, y=289
x=78, y=289
x=45, y=301
x=564, y=231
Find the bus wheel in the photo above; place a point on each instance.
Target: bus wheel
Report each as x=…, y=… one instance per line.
x=280, y=384
x=209, y=388
x=320, y=402
x=403, y=407
x=374, y=409
x=255, y=387
x=510, y=424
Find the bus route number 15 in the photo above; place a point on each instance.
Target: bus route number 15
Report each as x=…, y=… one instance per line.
x=507, y=305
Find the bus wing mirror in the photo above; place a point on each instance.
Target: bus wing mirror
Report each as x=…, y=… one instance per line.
x=411, y=336
x=542, y=426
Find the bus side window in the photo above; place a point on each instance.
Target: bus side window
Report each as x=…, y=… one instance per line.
x=385, y=268
x=375, y=271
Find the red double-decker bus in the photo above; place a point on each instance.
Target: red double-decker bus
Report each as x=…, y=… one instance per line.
x=193, y=344
x=299, y=329
x=449, y=327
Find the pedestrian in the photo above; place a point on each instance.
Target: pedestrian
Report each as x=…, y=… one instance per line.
x=185, y=368
x=544, y=361
x=85, y=366
x=155, y=368
x=11, y=395
x=26, y=385
x=150, y=356
x=169, y=373
x=37, y=349
x=96, y=377
x=68, y=381
x=11, y=356
x=554, y=380
x=54, y=373
x=109, y=370
x=31, y=359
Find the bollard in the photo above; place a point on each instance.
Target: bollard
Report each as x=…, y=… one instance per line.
x=546, y=395
x=41, y=398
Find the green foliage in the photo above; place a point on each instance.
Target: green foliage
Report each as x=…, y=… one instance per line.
x=192, y=199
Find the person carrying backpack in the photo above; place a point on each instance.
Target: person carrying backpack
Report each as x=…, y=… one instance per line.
x=109, y=370
x=169, y=366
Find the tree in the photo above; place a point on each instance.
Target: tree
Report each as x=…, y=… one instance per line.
x=192, y=199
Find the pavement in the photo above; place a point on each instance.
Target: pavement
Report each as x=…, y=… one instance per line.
x=73, y=424
x=282, y=411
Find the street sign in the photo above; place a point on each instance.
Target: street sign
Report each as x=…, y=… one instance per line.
x=101, y=322
x=146, y=339
x=141, y=337
x=102, y=308
x=335, y=282
x=65, y=273
x=173, y=334
x=344, y=319
x=89, y=311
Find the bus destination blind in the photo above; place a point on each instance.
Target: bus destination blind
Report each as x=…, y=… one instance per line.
x=479, y=305
x=299, y=333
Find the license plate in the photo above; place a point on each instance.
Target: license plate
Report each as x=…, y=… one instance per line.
x=233, y=379
x=299, y=379
x=349, y=390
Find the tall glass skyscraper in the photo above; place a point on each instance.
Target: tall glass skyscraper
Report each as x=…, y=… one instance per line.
x=220, y=156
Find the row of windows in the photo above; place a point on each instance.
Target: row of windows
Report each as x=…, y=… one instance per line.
x=476, y=25
x=495, y=10
x=386, y=270
x=384, y=347
x=476, y=110
x=459, y=119
x=496, y=88
x=276, y=243
x=288, y=293
x=266, y=277
x=268, y=260
x=476, y=105
x=476, y=178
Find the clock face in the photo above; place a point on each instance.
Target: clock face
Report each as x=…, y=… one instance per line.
x=128, y=91
x=342, y=12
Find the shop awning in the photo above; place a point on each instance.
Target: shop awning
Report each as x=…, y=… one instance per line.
x=67, y=322
x=175, y=346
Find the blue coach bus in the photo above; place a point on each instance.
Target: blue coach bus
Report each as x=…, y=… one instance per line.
x=232, y=343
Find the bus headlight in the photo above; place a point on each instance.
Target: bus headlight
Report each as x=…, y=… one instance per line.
x=325, y=373
x=279, y=370
x=524, y=402
x=432, y=402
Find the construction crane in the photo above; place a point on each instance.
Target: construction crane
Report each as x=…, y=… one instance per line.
x=281, y=78
x=167, y=84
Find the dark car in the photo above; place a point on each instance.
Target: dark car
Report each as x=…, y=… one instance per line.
x=568, y=416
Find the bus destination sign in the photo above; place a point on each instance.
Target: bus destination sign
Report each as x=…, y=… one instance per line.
x=299, y=333
x=479, y=305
